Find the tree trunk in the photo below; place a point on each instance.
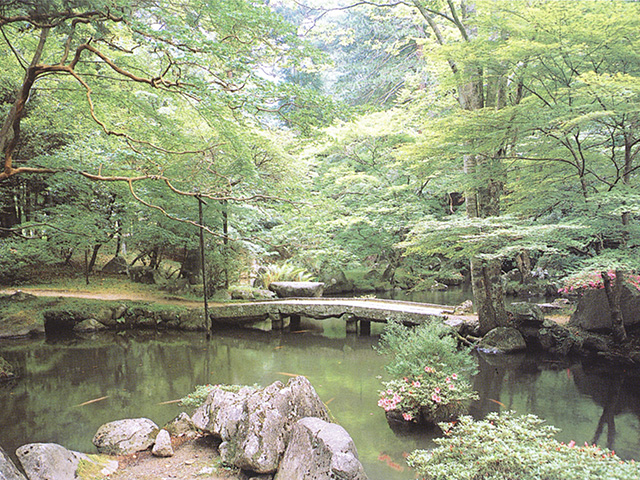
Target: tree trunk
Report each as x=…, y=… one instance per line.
x=613, y=297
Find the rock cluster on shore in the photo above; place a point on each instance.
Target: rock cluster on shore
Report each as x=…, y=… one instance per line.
x=280, y=432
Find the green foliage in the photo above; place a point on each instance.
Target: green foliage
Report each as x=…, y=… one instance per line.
x=285, y=272
x=505, y=446
x=411, y=349
x=200, y=394
x=430, y=375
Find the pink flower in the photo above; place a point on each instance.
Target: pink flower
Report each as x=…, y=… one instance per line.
x=448, y=380
x=451, y=386
x=429, y=369
x=454, y=376
x=407, y=416
x=571, y=444
x=436, y=398
x=406, y=379
x=436, y=390
x=415, y=384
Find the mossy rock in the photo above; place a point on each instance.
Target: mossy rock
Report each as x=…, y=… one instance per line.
x=96, y=467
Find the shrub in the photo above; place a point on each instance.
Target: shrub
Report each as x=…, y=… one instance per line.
x=286, y=272
x=430, y=374
x=593, y=280
x=506, y=447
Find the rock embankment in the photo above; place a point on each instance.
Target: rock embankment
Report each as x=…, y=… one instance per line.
x=279, y=432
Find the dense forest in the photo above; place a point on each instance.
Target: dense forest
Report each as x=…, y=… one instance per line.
x=422, y=142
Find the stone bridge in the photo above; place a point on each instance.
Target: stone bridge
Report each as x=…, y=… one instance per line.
x=354, y=311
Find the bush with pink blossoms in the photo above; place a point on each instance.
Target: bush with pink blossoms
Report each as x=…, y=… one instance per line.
x=593, y=281
x=429, y=373
x=432, y=397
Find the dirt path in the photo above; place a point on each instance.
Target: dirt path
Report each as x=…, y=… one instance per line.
x=131, y=296
x=192, y=459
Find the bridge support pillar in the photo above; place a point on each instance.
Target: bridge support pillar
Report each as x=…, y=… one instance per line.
x=294, y=323
x=277, y=322
x=352, y=323
x=365, y=327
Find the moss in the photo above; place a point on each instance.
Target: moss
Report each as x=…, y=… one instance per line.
x=95, y=467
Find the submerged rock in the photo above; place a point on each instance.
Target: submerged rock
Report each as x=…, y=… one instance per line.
x=319, y=450
x=502, y=340
x=123, y=437
x=50, y=461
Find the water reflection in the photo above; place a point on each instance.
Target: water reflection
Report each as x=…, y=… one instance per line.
x=136, y=372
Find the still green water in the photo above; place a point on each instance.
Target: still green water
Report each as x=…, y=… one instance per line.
x=138, y=371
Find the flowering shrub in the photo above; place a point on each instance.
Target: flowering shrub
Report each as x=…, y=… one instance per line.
x=506, y=447
x=593, y=280
x=431, y=397
x=430, y=375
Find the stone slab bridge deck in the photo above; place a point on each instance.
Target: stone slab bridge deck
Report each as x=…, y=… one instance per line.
x=356, y=312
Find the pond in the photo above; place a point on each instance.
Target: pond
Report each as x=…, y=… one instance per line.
x=137, y=372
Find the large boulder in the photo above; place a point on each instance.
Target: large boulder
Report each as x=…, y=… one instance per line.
x=269, y=415
x=593, y=312
x=254, y=425
x=123, y=437
x=297, y=289
x=50, y=461
x=502, y=340
x=222, y=411
x=8, y=470
x=319, y=450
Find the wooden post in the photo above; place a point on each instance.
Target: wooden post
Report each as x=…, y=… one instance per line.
x=207, y=320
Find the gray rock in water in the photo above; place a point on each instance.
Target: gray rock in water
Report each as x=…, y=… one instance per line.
x=502, y=340
x=123, y=437
x=8, y=471
x=297, y=289
x=50, y=461
x=264, y=427
x=319, y=450
x=162, y=446
x=254, y=425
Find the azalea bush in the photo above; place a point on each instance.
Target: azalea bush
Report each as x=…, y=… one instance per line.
x=593, y=280
x=432, y=397
x=509, y=447
x=430, y=374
